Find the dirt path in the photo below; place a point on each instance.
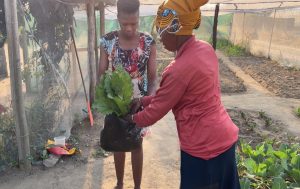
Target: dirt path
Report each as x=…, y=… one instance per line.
x=5, y=92
x=161, y=166
x=161, y=159
x=260, y=99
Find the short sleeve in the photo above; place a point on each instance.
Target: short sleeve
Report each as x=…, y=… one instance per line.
x=149, y=40
x=102, y=43
x=108, y=41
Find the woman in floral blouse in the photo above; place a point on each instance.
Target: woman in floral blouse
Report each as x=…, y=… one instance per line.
x=136, y=52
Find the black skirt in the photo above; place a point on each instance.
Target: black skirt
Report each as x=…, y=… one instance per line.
x=217, y=173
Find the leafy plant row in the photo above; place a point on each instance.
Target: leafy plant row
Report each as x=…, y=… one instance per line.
x=269, y=165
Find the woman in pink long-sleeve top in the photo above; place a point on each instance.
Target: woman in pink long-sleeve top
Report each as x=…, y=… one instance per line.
x=190, y=88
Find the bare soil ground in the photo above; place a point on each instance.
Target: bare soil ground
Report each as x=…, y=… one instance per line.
x=282, y=81
x=230, y=83
x=257, y=126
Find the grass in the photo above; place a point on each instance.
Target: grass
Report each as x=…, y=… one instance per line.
x=268, y=121
x=248, y=121
x=230, y=49
x=8, y=146
x=297, y=111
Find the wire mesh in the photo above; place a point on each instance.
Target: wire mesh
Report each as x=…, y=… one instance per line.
x=273, y=34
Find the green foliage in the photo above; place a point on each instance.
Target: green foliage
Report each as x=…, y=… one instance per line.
x=229, y=49
x=248, y=121
x=8, y=142
x=114, y=93
x=268, y=167
x=298, y=111
x=245, y=183
x=40, y=127
x=3, y=33
x=279, y=183
x=51, y=23
x=268, y=121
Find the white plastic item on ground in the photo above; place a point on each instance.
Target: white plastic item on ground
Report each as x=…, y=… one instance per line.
x=60, y=140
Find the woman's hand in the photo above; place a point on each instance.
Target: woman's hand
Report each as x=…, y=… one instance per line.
x=128, y=118
x=136, y=104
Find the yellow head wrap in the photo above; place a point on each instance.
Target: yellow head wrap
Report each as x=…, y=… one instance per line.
x=179, y=16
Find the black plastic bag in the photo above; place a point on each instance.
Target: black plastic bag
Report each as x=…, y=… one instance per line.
x=118, y=135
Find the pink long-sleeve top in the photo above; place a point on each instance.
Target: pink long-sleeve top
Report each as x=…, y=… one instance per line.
x=190, y=87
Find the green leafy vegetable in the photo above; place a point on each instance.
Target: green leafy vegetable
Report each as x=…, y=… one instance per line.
x=279, y=183
x=114, y=93
x=267, y=166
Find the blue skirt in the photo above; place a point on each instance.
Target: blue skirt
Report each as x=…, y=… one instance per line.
x=217, y=173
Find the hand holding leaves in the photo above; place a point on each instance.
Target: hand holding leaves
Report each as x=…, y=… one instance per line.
x=114, y=93
x=136, y=105
x=128, y=118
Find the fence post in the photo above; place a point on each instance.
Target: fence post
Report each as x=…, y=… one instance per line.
x=271, y=38
x=215, y=27
x=102, y=27
x=244, y=17
x=102, y=18
x=96, y=42
x=22, y=131
x=91, y=48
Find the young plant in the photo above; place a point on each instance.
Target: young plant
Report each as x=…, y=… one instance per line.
x=114, y=93
x=268, y=121
x=262, y=114
x=230, y=49
x=248, y=121
x=268, y=167
x=298, y=111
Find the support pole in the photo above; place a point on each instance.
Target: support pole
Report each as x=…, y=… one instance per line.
x=91, y=48
x=102, y=18
x=243, y=34
x=271, y=38
x=96, y=43
x=215, y=27
x=102, y=26
x=22, y=131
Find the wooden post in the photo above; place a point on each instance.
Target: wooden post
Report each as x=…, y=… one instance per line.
x=244, y=17
x=22, y=131
x=215, y=28
x=230, y=30
x=91, y=47
x=3, y=63
x=75, y=73
x=24, y=46
x=102, y=18
x=96, y=44
x=102, y=26
x=271, y=38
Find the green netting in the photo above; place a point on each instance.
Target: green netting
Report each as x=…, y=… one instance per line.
x=206, y=29
x=110, y=25
x=146, y=22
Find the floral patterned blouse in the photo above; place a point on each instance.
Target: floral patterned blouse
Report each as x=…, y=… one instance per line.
x=134, y=60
